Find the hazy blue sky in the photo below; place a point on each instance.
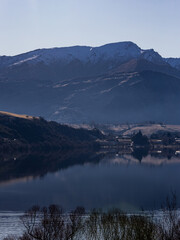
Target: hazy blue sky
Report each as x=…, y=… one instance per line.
x=29, y=24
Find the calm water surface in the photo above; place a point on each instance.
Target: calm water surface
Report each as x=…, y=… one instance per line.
x=100, y=182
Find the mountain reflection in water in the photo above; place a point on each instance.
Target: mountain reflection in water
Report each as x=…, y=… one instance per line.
x=92, y=180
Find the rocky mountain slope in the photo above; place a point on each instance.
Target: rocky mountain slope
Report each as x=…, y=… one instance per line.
x=174, y=62
x=114, y=83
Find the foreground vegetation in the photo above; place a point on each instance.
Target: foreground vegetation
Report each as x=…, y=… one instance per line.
x=52, y=224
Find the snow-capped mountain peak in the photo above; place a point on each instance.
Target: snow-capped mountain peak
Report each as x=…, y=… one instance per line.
x=118, y=52
x=152, y=56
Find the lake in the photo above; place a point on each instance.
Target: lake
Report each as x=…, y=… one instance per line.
x=93, y=180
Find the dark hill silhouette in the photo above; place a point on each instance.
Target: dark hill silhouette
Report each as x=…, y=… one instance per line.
x=17, y=133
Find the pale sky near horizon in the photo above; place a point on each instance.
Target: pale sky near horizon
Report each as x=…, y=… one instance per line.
x=30, y=24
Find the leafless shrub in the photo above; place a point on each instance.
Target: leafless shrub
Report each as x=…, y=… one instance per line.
x=170, y=223
x=52, y=224
x=116, y=225
x=92, y=225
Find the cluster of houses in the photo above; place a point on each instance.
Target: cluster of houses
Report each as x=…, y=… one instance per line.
x=126, y=144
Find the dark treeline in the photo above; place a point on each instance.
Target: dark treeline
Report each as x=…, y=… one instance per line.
x=166, y=138
x=18, y=134
x=51, y=223
x=160, y=144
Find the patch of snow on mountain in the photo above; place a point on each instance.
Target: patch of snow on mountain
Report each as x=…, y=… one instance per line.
x=174, y=62
x=25, y=60
x=152, y=56
x=119, y=52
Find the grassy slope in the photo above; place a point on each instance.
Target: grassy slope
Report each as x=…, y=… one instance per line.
x=17, y=115
x=18, y=130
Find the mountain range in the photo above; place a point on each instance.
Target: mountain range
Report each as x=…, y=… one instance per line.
x=114, y=83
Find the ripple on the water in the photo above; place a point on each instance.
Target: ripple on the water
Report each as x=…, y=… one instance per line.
x=10, y=224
